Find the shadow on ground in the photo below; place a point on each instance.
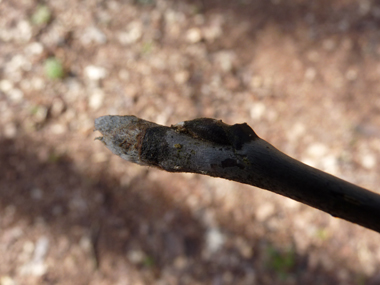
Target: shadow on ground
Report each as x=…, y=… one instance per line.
x=54, y=199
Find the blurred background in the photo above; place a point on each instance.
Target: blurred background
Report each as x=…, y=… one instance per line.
x=305, y=76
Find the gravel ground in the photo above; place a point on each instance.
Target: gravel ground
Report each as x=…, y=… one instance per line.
x=304, y=75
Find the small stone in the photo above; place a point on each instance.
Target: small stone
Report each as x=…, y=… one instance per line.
x=37, y=83
x=244, y=248
x=95, y=73
x=214, y=31
x=77, y=204
x=85, y=243
x=36, y=266
x=329, y=44
x=10, y=130
x=351, y=74
x=264, y=211
x=24, y=31
x=310, y=73
x=313, y=56
x=329, y=163
x=6, y=85
x=368, y=161
x=36, y=194
x=124, y=75
x=136, y=256
x=57, y=107
x=296, y=131
x=34, y=48
x=15, y=95
x=194, y=35
x=181, y=77
x=257, y=111
x=57, y=210
x=6, y=280
x=93, y=35
x=228, y=277
x=58, y=129
x=364, y=7
x=214, y=239
x=96, y=100
x=133, y=34
x=17, y=64
x=41, y=249
x=225, y=60
x=180, y=263
x=317, y=150
x=40, y=114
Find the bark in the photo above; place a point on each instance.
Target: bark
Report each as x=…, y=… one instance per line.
x=235, y=152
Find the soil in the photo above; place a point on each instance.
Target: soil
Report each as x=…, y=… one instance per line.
x=303, y=74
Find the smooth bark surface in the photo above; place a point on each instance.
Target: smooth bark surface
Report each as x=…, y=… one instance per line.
x=210, y=147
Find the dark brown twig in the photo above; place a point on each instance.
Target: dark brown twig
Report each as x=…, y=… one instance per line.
x=210, y=147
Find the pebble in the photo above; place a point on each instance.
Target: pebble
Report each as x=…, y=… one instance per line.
x=10, y=130
x=23, y=31
x=18, y=63
x=351, y=74
x=136, y=256
x=244, y=247
x=310, y=73
x=15, y=95
x=212, y=33
x=296, y=131
x=7, y=280
x=225, y=60
x=93, y=35
x=41, y=249
x=264, y=211
x=34, y=48
x=257, y=111
x=37, y=83
x=96, y=100
x=329, y=44
x=330, y=164
x=58, y=129
x=194, y=35
x=57, y=107
x=214, y=239
x=368, y=161
x=95, y=72
x=313, y=56
x=317, y=150
x=36, y=266
x=77, y=204
x=85, y=243
x=6, y=85
x=214, y=30
x=124, y=75
x=133, y=34
x=181, y=77
x=40, y=114
x=36, y=194
x=180, y=262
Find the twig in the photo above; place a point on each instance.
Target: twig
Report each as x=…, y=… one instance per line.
x=210, y=147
